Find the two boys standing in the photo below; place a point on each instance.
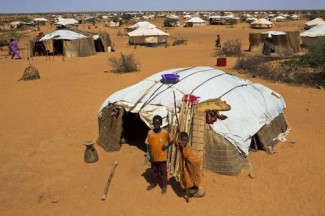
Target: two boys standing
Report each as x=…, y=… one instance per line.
x=158, y=141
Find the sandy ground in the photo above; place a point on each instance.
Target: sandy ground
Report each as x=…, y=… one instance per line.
x=45, y=122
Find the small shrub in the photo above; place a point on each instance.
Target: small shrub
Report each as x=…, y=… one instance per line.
x=254, y=65
x=119, y=33
x=179, y=41
x=231, y=48
x=315, y=56
x=168, y=22
x=291, y=71
x=231, y=22
x=294, y=63
x=124, y=64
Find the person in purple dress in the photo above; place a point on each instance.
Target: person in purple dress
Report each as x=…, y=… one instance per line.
x=14, y=49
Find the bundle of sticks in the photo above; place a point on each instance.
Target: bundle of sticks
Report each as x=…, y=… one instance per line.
x=181, y=122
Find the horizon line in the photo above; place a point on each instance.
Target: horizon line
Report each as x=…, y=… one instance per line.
x=128, y=11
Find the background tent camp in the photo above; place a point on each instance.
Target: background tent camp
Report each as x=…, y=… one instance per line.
x=285, y=43
x=73, y=43
x=255, y=114
x=312, y=35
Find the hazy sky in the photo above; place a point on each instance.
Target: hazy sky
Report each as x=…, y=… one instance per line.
x=37, y=6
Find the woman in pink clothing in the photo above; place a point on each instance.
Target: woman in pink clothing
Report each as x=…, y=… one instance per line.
x=14, y=49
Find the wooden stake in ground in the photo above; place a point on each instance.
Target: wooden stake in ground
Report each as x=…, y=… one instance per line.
x=109, y=181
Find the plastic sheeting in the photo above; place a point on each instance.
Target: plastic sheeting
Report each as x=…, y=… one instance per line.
x=63, y=35
x=252, y=105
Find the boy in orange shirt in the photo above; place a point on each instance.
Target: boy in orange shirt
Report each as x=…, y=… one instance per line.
x=158, y=140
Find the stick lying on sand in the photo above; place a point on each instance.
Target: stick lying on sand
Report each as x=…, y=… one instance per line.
x=109, y=181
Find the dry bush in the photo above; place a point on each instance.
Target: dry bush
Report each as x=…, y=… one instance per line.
x=180, y=41
x=269, y=69
x=254, y=64
x=120, y=34
x=231, y=48
x=30, y=73
x=124, y=64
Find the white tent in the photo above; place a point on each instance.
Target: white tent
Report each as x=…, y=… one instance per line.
x=261, y=23
x=270, y=33
x=113, y=24
x=70, y=43
x=313, y=34
x=65, y=22
x=40, y=20
x=187, y=16
x=16, y=24
x=251, y=19
x=194, y=21
x=143, y=24
x=280, y=19
x=171, y=16
x=294, y=17
x=252, y=105
x=139, y=35
x=313, y=23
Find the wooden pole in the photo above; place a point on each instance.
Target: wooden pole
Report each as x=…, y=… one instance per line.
x=109, y=181
x=181, y=161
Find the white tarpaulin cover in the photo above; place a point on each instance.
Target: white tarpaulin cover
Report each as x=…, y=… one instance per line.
x=195, y=20
x=65, y=22
x=143, y=24
x=147, y=32
x=262, y=21
x=270, y=33
x=252, y=105
x=316, y=31
x=314, y=22
x=63, y=35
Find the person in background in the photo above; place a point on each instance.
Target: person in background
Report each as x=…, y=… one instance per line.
x=39, y=45
x=267, y=47
x=218, y=43
x=14, y=49
x=158, y=140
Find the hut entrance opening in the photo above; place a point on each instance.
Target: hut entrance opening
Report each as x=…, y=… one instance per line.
x=99, y=45
x=58, y=47
x=134, y=130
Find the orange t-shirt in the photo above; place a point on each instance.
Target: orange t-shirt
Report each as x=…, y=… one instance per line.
x=157, y=140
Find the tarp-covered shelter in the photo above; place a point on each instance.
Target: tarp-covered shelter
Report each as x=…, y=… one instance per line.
x=62, y=22
x=217, y=20
x=255, y=115
x=194, y=22
x=261, y=24
x=294, y=17
x=103, y=42
x=314, y=34
x=280, y=19
x=313, y=23
x=69, y=43
x=285, y=43
x=140, y=35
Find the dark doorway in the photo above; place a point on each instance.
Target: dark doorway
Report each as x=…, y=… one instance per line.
x=58, y=47
x=99, y=45
x=134, y=130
